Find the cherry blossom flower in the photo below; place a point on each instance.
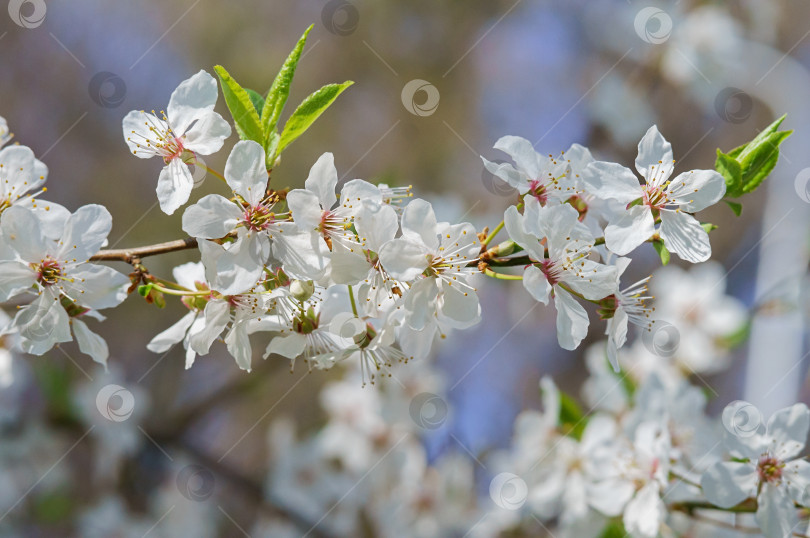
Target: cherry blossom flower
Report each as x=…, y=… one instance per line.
x=633, y=478
x=313, y=208
x=68, y=287
x=626, y=305
x=188, y=128
x=543, y=177
x=22, y=177
x=765, y=466
x=670, y=200
x=434, y=258
x=234, y=267
x=566, y=270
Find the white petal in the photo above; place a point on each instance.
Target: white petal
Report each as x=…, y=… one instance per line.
x=323, y=179
x=612, y=181
x=245, y=171
x=460, y=305
x=645, y=512
x=304, y=253
x=797, y=476
x=629, y=230
x=536, y=283
x=683, y=235
x=419, y=223
x=189, y=274
x=97, y=286
x=349, y=267
x=15, y=277
x=357, y=191
x=654, y=151
x=238, y=345
x=522, y=152
x=611, y=496
x=22, y=231
x=235, y=269
x=52, y=217
x=217, y=314
x=727, y=484
x=789, y=427
x=174, y=186
x=86, y=230
x=208, y=133
x=287, y=345
x=508, y=174
x=514, y=224
x=138, y=134
x=420, y=303
x=214, y=216
x=306, y=208
x=175, y=334
x=697, y=189
x=572, y=320
x=776, y=514
x=617, y=335
x=194, y=95
x=376, y=224
x=90, y=343
x=20, y=172
x=594, y=281
x=42, y=324
x=404, y=258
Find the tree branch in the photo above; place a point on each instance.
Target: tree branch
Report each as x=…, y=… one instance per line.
x=132, y=255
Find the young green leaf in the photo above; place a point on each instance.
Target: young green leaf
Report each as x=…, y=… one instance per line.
x=256, y=99
x=280, y=89
x=735, y=206
x=245, y=117
x=708, y=226
x=662, y=251
x=309, y=111
x=730, y=169
x=746, y=167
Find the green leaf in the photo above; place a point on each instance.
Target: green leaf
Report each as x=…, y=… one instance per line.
x=245, y=117
x=759, y=163
x=256, y=99
x=145, y=289
x=731, y=170
x=572, y=419
x=614, y=529
x=309, y=111
x=280, y=89
x=708, y=226
x=662, y=251
x=747, y=166
x=270, y=150
x=735, y=206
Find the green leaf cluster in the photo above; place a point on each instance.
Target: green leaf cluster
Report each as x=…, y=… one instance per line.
x=257, y=118
x=746, y=167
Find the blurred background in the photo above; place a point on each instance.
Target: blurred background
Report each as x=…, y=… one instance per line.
x=194, y=457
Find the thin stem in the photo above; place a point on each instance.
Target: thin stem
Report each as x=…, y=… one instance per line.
x=167, y=291
x=132, y=255
x=501, y=276
x=351, y=298
x=213, y=172
x=492, y=234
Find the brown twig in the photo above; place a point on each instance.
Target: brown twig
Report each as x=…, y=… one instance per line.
x=132, y=255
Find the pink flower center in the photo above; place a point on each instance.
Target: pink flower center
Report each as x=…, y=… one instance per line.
x=538, y=190
x=551, y=271
x=48, y=271
x=769, y=469
x=655, y=197
x=258, y=218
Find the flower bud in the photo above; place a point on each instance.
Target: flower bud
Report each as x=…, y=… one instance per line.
x=302, y=290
